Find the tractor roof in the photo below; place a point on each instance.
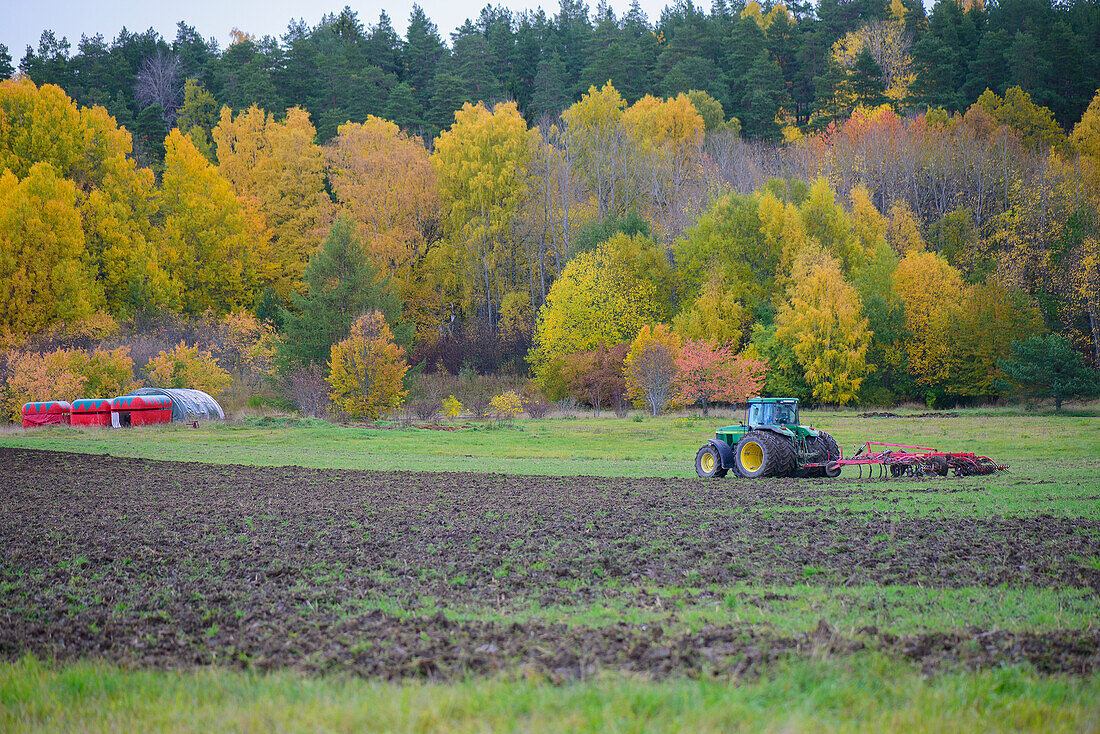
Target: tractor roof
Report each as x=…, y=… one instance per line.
x=772, y=400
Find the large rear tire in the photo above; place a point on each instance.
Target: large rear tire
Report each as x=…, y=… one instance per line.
x=763, y=454
x=826, y=448
x=708, y=462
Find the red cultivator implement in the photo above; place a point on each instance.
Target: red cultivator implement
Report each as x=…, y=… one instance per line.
x=914, y=461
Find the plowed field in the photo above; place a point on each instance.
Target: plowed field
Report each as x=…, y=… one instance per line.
x=171, y=565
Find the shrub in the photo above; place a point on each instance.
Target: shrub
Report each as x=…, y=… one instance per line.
x=35, y=377
x=367, y=369
x=67, y=374
x=507, y=405
x=538, y=408
x=452, y=408
x=307, y=389
x=106, y=373
x=597, y=376
x=188, y=367
x=425, y=409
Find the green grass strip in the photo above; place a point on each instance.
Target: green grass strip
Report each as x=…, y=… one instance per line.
x=862, y=693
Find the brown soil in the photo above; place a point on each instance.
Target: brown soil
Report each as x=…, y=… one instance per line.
x=175, y=564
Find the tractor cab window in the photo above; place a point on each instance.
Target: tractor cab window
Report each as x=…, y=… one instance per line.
x=786, y=414
x=760, y=414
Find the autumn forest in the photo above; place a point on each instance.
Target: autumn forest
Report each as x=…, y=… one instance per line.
x=849, y=202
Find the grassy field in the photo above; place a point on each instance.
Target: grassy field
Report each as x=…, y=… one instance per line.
x=1054, y=459
x=1055, y=471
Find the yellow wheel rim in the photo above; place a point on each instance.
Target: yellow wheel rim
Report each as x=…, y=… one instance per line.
x=752, y=456
x=707, y=463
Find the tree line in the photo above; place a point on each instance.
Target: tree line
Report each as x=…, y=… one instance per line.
x=892, y=254
x=779, y=69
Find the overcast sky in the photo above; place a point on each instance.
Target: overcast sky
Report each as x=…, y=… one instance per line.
x=22, y=21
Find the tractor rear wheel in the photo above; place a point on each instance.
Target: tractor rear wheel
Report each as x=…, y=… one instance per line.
x=708, y=463
x=826, y=448
x=763, y=454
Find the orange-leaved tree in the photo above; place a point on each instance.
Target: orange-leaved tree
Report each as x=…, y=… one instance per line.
x=650, y=368
x=67, y=374
x=367, y=369
x=187, y=367
x=34, y=377
x=707, y=371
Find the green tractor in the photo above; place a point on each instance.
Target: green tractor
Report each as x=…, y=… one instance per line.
x=770, y=443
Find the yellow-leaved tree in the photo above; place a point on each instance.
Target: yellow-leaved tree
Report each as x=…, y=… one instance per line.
x=213, y=246
x=927, y=284
x=903, y=229
x=968, y=338
x=602, y=153
x=823, y=323
x=386, y=180
x=716, y=315
x=482, y=162
x=599, y=298
x=43, y=277
x=368, y=369
x=116, y=199
x=827, y=222
x=666, y=137
x=276, y=168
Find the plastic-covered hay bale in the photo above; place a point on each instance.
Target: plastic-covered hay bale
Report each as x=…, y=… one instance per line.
x=91, y=412
x=140, y=410
x=46, y=412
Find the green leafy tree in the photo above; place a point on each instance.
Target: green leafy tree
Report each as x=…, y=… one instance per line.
x=1049, y=367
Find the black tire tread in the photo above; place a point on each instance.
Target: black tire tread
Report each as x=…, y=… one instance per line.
x=780, y=456
x=826, y=448
x=720, y=472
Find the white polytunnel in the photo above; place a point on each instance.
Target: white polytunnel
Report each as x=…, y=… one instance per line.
x=187, y=404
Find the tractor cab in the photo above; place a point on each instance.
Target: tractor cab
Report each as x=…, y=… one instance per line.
x=772, y=412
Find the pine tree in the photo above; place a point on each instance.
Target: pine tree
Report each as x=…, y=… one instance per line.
x=549, y=95
x=6, y=69
x=341, y=285
x=865, y=81
x=762, y=99
x=403, y=109
x=423, y=52
x=473, y=63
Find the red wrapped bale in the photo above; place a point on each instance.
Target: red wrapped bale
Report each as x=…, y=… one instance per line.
x=91, y=412
x=46, y=412
x=140, y=410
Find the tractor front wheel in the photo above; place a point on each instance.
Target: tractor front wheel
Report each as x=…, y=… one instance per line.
x=762, y=454
x=708, y=463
